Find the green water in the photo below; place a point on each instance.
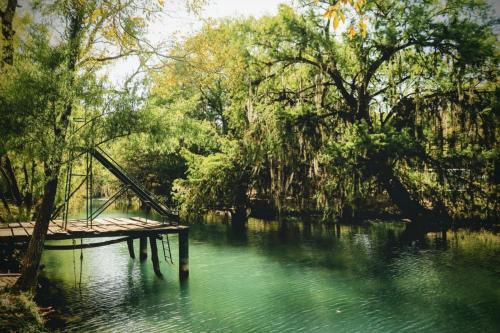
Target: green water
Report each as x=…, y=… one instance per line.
x=288, y=277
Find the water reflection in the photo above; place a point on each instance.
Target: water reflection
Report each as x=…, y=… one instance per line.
x=290, y=276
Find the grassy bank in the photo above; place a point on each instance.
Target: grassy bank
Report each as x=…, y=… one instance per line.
x=19, y=313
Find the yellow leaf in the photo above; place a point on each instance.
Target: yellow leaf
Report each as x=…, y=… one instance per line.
x=362, y=27
x=330, y=12
x=351, y=32
x=335, y=22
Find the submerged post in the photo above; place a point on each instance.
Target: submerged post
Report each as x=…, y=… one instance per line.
x=154, y=255
x=183, y=253
x=130, y=245
x=143, y=248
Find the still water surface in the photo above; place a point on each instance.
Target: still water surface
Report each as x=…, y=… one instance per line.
x=287, y=277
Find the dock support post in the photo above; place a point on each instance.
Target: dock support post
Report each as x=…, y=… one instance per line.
x=130, y=245
x=143, y=248
x=154, y=255
x=183, y=253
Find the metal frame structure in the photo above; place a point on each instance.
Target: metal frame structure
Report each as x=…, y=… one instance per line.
x=129, y=183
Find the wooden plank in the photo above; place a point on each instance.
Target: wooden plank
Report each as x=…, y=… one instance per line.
x=120, y=221
x=104, y=227
x=7, y=280
x=19, y=232
x=103, y=221
x=115, y=219
x=86, y=245
x=26, y=224
x=79, y=224
x=125, y=225
x=6, y=232
x=58, y=223
x=149, y=225
x=55, y=230
x=135, y=227
x=143, y=220
x=73, y=229
x=14, y=225
x=29, y=230
x=115, y=225
x=136, y=223
x=98, y=221
x=60, y=232
x=139, y=219
x=99, y=228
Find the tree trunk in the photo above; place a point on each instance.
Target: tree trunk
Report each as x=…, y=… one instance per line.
x=240, y=201
x=422, y=218
x=400, y=196
x=31, y=261
x=8, y=32
x=6, y=205
x=16, y=193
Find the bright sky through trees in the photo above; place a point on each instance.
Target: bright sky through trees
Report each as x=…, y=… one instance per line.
x=178, y=22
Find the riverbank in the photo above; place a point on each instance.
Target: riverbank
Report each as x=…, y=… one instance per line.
x=19, y=313
x=27, y=312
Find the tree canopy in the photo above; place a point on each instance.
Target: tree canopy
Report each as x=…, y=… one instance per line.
x=344, y=109
x=313, y=118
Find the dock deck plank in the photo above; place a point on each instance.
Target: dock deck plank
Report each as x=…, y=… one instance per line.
x=19, y=232
x=6, y=232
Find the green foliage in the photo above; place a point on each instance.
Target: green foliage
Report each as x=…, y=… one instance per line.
x=213, y=182
x=326, y=119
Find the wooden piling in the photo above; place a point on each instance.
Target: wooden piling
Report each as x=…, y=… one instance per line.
x=183, y=254
x=130, y=245
x=143, y=248
x=154, y=255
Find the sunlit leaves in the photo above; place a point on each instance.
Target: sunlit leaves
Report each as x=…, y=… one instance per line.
x=337, y=13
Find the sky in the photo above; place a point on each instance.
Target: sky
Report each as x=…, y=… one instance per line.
x=178, y=19
x=178, y=22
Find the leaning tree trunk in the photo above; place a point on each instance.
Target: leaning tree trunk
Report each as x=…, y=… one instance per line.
x=31, y=261
x=400, y=196
x=421, y=217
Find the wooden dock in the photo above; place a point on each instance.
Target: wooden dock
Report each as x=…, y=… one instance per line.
x=101, y=227
x=8, y=280
x=128, y=228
